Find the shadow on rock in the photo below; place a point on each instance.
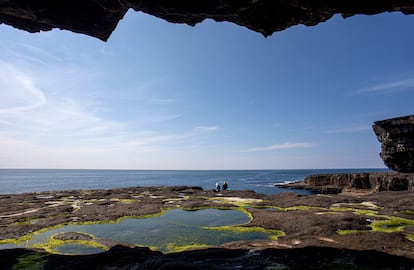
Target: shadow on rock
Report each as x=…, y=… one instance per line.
x=121, y=257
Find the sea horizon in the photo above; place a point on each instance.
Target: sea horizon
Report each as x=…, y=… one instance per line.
x=250, y=169
x=13, y=181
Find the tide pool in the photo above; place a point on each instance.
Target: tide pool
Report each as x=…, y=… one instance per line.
x=172, y=231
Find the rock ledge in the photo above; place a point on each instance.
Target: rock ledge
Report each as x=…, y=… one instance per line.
x=355, y=182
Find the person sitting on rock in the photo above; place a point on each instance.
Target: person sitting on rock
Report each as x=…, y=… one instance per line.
x=217, y=187
x=225, y=185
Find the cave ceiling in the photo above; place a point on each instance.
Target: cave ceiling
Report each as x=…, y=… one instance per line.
x=99, y=18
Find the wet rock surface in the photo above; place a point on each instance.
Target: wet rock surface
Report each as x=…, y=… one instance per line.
x=396, y=136
x=318, y=229
x=100, y=18
x=72, y=236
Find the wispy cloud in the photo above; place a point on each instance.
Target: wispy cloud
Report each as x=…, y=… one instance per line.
x=282, y=146
x=32, y=117
x=355, y=129
x=388, y=87
x=17, y=91
x=206, y=128
x=24, y=108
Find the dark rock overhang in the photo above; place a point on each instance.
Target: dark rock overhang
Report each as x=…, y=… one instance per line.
x=99, y=18
x=396, y=136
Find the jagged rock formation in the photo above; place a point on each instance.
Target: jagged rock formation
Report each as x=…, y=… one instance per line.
x=355, y=182
x=396, y=136
x=99, y=18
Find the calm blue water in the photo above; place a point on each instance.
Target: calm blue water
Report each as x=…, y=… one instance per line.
x=261, y=181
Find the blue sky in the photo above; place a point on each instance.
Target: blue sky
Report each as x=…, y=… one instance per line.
x=214, y=96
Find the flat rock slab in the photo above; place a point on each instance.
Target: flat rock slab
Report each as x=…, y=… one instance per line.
x=306, y=220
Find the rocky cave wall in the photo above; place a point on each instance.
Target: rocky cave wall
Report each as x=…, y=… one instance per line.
x=99, y=18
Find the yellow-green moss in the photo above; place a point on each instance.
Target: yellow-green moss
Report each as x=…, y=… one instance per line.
x=127, y=201
x=30, y=261
x=27, y=237
x=345, y=232
x=388, y=224
x=241, y=202
x=410, y=237
x=27, y=220
x=182, y=198
x=391, y=224
x=298, y=208
x=16, y=240
x=407, y=212
x=246, y=212
x=275, y=234
x=356, y=211
x=53, y=243
x=370, y=205
x=176, y=248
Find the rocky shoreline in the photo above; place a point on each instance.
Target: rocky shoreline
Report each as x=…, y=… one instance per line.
x=324, y=228
x=368, y=182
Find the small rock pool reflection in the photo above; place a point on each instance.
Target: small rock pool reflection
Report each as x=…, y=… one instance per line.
x=174, y=229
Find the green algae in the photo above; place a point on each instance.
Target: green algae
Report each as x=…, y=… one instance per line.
x=274, y=234
x=298, y=208
x=52, y=243
x=385, y=223
x=356, y=211
x=27, y=220
x=172, y=248
x=237, y=201
x=30, y=261
x=345, y=232
x=407, y=212
x=391, y=224
x=29, y=236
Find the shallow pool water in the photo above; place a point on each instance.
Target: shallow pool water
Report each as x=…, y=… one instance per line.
x=77, y=249
x=175, y=228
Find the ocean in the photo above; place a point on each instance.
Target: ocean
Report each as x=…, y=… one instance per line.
x=13, y=181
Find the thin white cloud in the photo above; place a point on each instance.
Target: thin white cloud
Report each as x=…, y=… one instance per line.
x=355, y=129
x=388, y=87
x=17, y=91
x=282, y=146
x=207, y=128
x=26, y=53
x=159, y=118
x=28, y=114
x=160, y=101
x=24, y=108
